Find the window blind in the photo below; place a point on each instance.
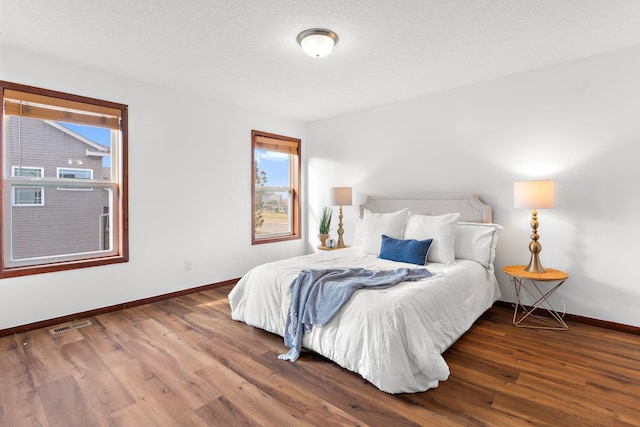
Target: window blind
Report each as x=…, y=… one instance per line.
x=49, y=108
x=278, y=145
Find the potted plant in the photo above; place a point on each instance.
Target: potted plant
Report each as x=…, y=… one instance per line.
x=325, y=224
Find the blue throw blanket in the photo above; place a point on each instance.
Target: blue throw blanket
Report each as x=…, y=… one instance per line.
x=317, y=295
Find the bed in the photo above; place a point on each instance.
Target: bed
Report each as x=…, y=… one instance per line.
x=392, y=337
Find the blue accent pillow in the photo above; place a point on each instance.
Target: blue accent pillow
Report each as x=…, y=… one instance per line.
x=411, y=251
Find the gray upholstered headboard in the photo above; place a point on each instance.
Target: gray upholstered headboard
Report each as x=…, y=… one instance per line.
x=468, y=204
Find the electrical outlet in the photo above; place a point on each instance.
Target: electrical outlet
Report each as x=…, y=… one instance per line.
x=187, y=265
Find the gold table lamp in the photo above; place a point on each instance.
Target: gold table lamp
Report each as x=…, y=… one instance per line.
x=534, y=195
x=340, y=196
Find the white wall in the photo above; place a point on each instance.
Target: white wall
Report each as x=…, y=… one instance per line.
x=577, y=123
x=189, y=199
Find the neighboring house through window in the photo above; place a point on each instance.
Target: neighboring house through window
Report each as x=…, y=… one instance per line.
x=52, y=142
x=275, y=194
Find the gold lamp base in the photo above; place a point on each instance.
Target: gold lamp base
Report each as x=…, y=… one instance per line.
x=340, y=231
x=340, y=196
x=535, y=247
x=534, y=265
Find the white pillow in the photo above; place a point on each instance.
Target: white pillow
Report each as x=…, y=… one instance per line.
x=477, y=242
x=374, y=225
x=440, y=228
x=358, y=232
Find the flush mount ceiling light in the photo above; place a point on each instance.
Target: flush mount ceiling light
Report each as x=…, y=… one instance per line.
x=317, y=42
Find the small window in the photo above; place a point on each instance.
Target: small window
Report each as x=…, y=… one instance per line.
x=54, y=141
x=28, y=196
x=275, y=194
x=27, y=171
x=75, y=173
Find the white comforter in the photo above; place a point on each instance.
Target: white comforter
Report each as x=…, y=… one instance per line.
x=393, y=337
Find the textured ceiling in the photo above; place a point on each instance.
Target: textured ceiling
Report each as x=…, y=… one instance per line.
x=245, y=52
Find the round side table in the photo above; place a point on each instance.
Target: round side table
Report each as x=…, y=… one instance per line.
x=532, y=284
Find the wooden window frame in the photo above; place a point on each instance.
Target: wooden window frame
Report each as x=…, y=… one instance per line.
x=76, y=109
x=288, y=145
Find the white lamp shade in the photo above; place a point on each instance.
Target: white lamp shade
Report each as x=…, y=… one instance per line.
x=534, y=194
x=340, y=196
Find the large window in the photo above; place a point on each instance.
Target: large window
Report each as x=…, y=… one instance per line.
x=276, y=187
x=53, y=142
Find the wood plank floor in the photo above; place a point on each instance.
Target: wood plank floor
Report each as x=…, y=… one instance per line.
x=184, y=362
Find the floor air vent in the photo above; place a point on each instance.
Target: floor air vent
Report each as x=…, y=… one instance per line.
x=66, y=328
